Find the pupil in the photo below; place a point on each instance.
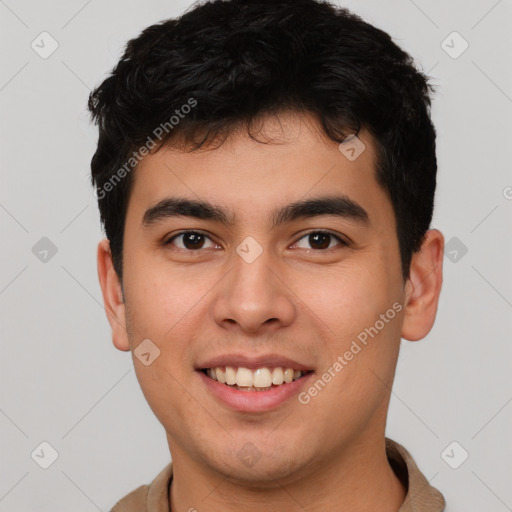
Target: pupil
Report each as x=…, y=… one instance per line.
x=318, y=238
x=193, y=240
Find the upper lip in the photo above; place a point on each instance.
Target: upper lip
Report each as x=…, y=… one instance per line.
x=252, y=363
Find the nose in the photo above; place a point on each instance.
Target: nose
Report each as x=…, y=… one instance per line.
x=254, y=297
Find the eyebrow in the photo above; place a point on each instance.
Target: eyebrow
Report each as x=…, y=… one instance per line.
x=180, y=207
x=339, y=206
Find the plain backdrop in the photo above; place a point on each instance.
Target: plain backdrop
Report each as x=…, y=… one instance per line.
x=65, y=384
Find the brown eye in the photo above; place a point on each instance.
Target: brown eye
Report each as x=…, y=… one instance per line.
x=320, y=240
x=190, y=240
x=193, y=240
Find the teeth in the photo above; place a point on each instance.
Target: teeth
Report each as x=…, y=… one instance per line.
x=260, y=379
x=277, y=376
x=230, y=375
x=288, y=375
x=218, y=374
x=243, y=377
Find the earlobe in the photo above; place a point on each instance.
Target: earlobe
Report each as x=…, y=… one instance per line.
x=423, y=287
x=112, y=296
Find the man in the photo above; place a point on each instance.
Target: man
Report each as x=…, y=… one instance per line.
x=265, y=174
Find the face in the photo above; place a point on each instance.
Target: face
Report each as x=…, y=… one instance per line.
x=280, y=256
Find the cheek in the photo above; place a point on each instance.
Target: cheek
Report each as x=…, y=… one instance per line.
x=162, y=299
x=164, y=389
x=361, y=351
x=160, y=310
x=357, y=312
x=348, y=299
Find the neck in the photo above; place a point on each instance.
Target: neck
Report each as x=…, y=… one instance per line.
x=357, y=479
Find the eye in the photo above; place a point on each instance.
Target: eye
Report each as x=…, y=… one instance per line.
x=320, y=240
x=191, y=241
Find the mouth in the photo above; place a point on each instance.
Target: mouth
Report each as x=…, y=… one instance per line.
x=258, y=379
x=255, y=383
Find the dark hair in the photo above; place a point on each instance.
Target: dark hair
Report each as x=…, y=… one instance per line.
x=231, y=61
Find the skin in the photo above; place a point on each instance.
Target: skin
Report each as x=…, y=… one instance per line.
x=328, y=455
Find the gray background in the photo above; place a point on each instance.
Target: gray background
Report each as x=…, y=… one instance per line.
x=62, y=380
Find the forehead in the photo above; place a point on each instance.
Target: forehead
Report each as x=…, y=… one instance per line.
x=290, y=159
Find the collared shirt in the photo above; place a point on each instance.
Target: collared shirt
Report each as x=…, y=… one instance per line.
x=420, y=497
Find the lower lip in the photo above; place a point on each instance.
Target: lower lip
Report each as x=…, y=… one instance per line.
x=255, y=401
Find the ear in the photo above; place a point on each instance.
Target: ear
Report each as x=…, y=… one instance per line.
x=112, y=296
x=423, y=287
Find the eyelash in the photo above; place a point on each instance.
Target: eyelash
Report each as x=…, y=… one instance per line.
x=342, y=242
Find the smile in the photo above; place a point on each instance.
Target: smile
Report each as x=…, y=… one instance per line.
x=259, y=379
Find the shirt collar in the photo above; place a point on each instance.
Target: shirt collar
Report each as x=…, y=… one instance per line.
x=421, y=496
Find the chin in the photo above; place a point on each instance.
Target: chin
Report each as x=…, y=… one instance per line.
x=256, y=464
